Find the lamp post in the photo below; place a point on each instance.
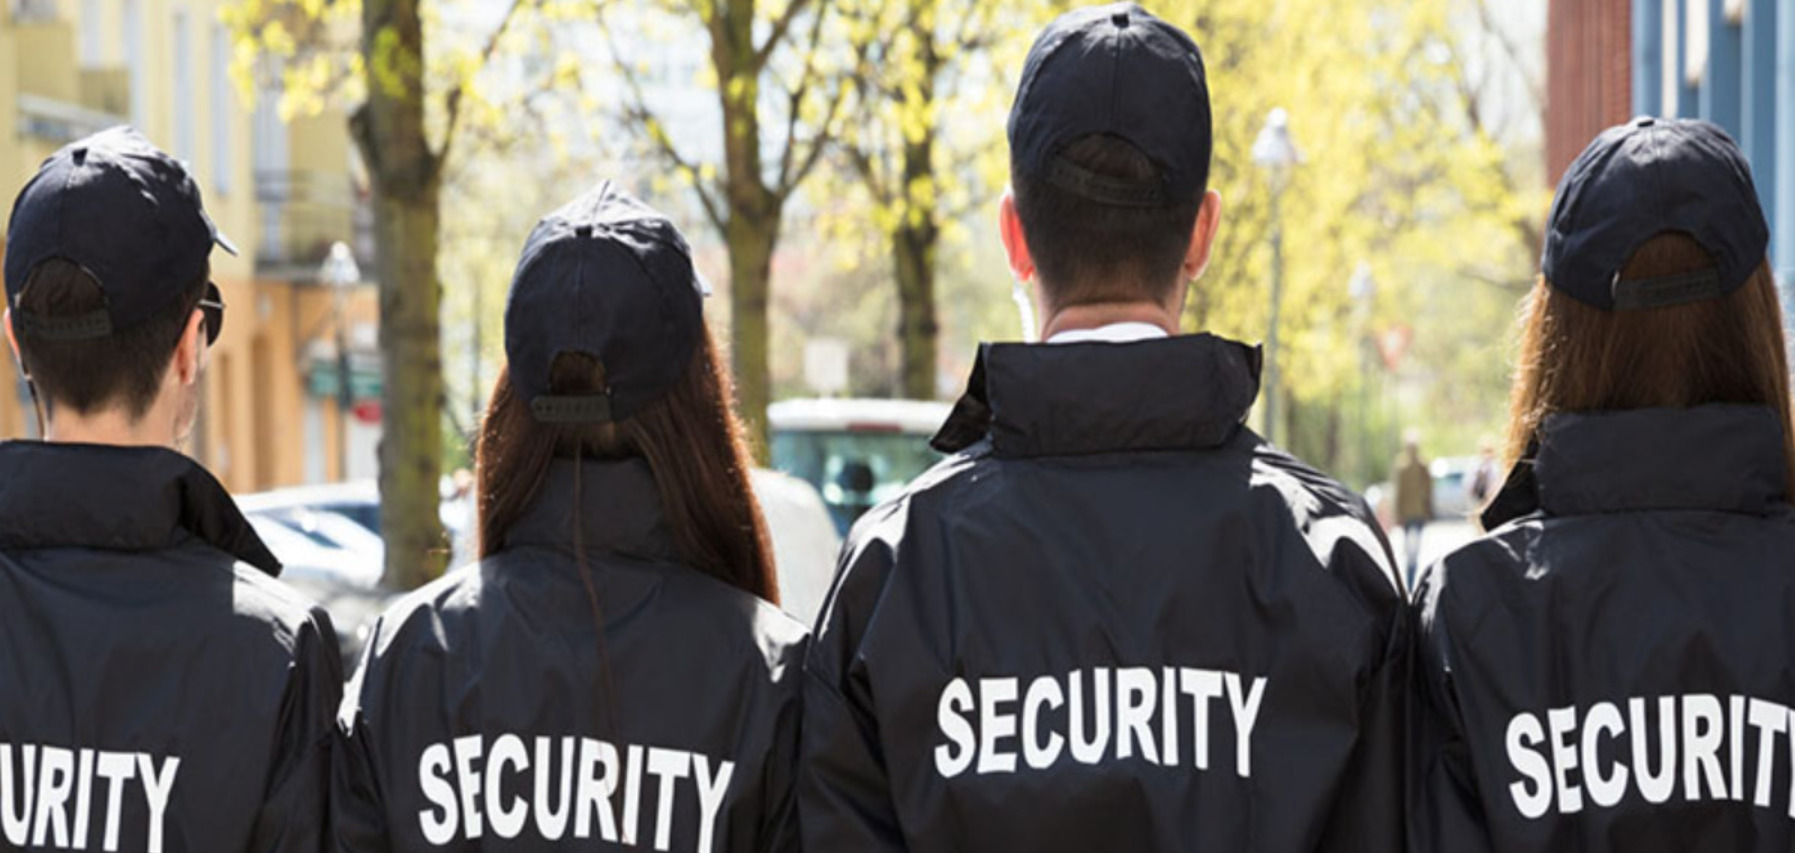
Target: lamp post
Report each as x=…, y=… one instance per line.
x=1276, y=154
x=1362, y=288
x=340, y=273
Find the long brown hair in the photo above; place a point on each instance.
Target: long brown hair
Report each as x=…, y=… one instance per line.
x=691, y=439
x=1577, y=358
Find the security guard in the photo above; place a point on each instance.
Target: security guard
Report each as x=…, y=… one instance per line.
x=611, y=674
x=1115, y=618
x=1609, y=669
x=159, y=690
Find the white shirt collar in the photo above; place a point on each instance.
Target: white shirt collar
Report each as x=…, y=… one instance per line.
x=1114, y=333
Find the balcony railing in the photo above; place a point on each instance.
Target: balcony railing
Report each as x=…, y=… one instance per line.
x=33, y=11
x=305, y=211
x=59, y=121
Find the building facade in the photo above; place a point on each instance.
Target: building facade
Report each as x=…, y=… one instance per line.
x=1731, y=62
x=284, y=191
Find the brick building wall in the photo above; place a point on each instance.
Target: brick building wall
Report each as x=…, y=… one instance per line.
x=1588, y=75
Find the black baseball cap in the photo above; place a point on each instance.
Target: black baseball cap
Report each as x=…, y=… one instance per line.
x=123, y=210
x=609, y=277
x=1119, y=71
x=1641, y=179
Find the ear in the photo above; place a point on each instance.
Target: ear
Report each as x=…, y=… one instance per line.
x=190, y=351
x=11, y=339
x=1009, y=225
x=1202, y=236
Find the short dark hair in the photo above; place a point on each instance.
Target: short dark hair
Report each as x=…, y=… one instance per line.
x=126, y=367
x=1087, y=251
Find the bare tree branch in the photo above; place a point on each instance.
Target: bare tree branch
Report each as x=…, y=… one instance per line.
x=638, y=114
x=793, y=169
x=781, y=26
x=453, y=104
x=1519, y=63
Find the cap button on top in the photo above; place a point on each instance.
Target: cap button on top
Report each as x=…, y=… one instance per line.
x=1644, y=121
x=582, y=231
x=1120, y=19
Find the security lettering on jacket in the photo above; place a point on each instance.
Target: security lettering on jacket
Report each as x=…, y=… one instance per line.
x=1602, y=672
x=1114, y=619
x=1650, y=749
x=494, y=708
x=988, y=724
x=160, y=690
x=59, y=798
x=552, y=788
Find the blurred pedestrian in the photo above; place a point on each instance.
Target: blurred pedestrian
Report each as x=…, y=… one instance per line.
x=1607, y=669
x=163, y=690
x=612, y=672
x=1414, y=485
x=1115, y=618
x=1486, y=477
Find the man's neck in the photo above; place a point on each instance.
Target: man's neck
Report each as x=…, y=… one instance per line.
x=1100, y=314
x=112, y=427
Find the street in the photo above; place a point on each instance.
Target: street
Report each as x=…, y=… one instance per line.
x=1441, y=537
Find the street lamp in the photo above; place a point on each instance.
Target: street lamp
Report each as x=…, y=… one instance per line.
x=341, y=273
x=1276, y=154
x=1362, y=288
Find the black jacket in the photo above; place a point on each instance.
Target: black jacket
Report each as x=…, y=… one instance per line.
x=488, y=694
x=992, y=670
x=158, y=688
x=1636, y=597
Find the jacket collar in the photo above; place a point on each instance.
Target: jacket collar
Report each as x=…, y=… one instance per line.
x=117, y=499
x=619, y=510
x=1726, y=458
x=1180, y=393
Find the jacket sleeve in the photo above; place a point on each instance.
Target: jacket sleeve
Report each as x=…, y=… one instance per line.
x=780, y=826
x=357, y=809
x=844, y=794
x=294, y=813
x=1445, y=810
x=1368, y=816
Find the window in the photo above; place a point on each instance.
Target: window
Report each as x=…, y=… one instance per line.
x=92, y=28
x=223, y=111
x=134, y=62
x=1671, y=82
x=1695, y=55
x=181, y=45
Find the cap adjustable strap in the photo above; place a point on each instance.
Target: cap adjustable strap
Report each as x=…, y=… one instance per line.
x=572, y=409
x=93, y=324
x=1664, y=291
x=1103, y=188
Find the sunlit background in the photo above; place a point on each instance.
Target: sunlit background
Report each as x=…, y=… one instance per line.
x=837, y=165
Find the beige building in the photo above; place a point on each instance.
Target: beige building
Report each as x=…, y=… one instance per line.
x=284, y=192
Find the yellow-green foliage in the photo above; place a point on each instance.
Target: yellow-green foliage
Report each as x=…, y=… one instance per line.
x=1396, y=175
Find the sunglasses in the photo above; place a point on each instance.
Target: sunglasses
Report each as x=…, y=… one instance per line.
x=212, y=310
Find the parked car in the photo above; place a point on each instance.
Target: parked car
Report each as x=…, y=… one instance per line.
x=316, y=562
x=805, y=542
x=1452, y=485
x=344, y=582
x=358, y=501
x=855, y=452
x=321, y=534
x=1452, y=491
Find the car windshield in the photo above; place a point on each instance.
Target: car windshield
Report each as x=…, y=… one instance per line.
x=364, y=514
x=854, y=471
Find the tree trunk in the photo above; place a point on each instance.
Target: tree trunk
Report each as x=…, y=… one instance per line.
x=751, y=227
x=919, y=232
x=751, y=243
x=412, y=402
x=917, y=329
x=406, y=178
